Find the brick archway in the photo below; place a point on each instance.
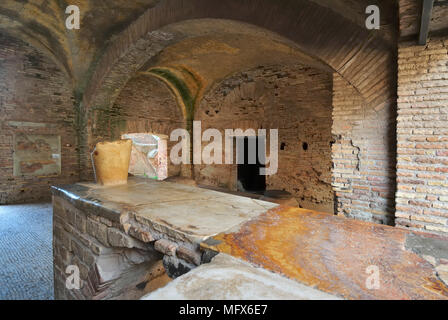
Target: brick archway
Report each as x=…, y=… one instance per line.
x=362, y=59
x=365, y=60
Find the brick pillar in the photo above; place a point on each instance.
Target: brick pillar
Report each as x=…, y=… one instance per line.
x=422, y=170
x=363, y=155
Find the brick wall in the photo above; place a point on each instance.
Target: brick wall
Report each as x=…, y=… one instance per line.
x=297, y=101
x=104, y=255
x=363, y=156
x=422, y=170
x=144, y=105
x=35, y=99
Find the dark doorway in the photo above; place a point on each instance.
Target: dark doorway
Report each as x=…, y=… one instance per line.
x=249, y=178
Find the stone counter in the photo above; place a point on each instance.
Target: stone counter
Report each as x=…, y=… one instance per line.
x=125, y=239
x=129, y=240
x=348, y=258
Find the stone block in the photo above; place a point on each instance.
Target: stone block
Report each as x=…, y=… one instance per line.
x=82, y=252
x=97, y=230
x=62, y=236
x=166, y=247
x=189, y=255
x=80, y=222
x=71, y=216
x=98, y=248
x=144, y=236
x=83, y=269
x=116, y=238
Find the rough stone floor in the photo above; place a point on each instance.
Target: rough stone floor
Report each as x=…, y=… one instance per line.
x=26, y=261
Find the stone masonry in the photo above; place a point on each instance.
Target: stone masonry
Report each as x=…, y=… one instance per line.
x=296, y=100
x=118, y=255
x=111, y=264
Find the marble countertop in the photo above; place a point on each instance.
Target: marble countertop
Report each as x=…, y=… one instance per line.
x=191, y=213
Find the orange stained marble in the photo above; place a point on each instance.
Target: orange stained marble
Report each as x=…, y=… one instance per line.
x=334, y=254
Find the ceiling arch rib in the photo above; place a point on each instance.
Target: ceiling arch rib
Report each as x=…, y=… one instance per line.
x=317, y=30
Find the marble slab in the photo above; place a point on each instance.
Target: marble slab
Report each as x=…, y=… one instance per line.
x=190, y=212
x=228, y=278
x=341, y=256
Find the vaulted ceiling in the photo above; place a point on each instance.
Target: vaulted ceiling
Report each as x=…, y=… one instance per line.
x=42, y=24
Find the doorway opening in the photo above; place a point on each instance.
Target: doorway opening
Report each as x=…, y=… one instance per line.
x=249, y=155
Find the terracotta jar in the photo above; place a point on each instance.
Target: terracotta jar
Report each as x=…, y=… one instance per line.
x=111, y=162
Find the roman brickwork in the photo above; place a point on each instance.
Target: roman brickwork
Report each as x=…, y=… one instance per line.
x=363, y=156
x=38, y=137
x=422, y=127
x=296, y=100
x=145, y=105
